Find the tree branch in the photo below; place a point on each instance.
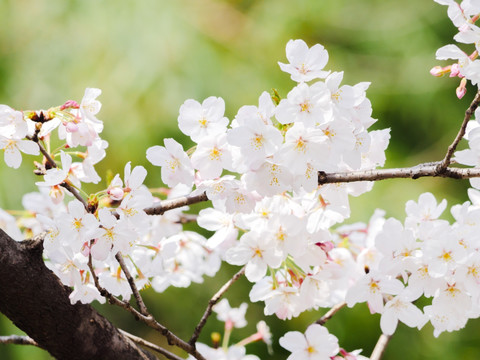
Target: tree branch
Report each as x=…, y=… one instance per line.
x=211, y=304
x=35, y=300
x=150, y=345
x=53, y=164
x=43, y=151
x=149, y=320
x=171, y=204
x=17, y=339
x=133, y=286
x=380, y=347
x=414, y=172
x=329, y=314
x=461, y=133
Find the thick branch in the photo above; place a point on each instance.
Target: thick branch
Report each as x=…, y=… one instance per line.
x=211, y=304
x=412, y=173
x=36, y=301
x=461, y=133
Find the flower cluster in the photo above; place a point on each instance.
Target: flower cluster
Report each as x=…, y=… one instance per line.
x=463, y=16
x=233, y=318
x=276, y=206
x=424, y=256
x=268, y=213
x=316, y=344
x=78, y=231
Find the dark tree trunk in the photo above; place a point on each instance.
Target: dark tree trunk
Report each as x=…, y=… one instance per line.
x=36, y=302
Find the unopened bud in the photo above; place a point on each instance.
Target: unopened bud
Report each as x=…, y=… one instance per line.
x=462, y=88
x=115, y=193
x=437, y=71
x=455, y=70
x=216, y=337
x=70, y=104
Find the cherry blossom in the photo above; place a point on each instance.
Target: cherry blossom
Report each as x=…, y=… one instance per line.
x=315, y=344
x=202, y=120
x=305, y=63
x=13, y=148
x=175, y=163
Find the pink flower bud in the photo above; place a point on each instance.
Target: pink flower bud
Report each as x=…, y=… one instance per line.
x=437, y=71
x=70, y=104
x=115, y=193
x=462, y=88
x=455, y=70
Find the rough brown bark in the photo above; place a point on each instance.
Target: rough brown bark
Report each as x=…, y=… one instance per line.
x=36, y=302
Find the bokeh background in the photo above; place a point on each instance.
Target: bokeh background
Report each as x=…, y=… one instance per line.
x=149, y=56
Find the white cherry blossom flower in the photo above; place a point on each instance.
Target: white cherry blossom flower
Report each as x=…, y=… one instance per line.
x=307, y=104
x=90, y=106
x=13, y=148
x=270, y=179
x=76, y=225
x=112, y=236
x=175, y=163
x=212, y=156
x=401, y=308
x=56, y=176
x=202, y=120
x=305, y=63
x=12, y=124
x=220, y=222
x=316, y=344
x=233, y=317
x=256, y=140
x=234, y=352
x=257, y=251
x=302, y=145
x=371, y=288
x=249, y=114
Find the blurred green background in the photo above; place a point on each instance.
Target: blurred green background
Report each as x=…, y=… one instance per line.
x=149, y=56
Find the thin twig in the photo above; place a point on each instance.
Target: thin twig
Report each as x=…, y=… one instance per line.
x=171, y=204
x=149, y=320
x=106, y=294
x=19, y=340
x=187, y=218
x=329, y=314
x=414, y=172
x=380, y=347
x=75, y=193
x=131, y=282
x=210, y=305
x=150, y=345
x=461, y=133
x=44, y=151
x=65, y=184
